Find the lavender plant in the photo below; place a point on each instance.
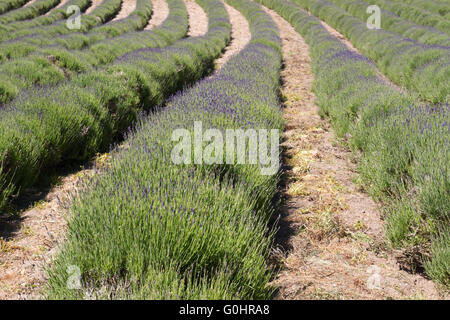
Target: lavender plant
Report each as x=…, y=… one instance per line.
x=172, y=231
x=405, y=157
x=53, y=16
x=5, y=6
x=440, y=8
x=424, y=69
x=426, y=13
x=33, y=10
x=49, y=126
x=54, y=64
x=392, y=22
x=42, y=34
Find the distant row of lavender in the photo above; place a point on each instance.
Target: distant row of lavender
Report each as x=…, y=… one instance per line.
x=423, y=69
x=405, y=158
x=147, y=228
x=5, y=6
x=424, y=12
x=29, y=12
x=36, y=69
x=92, y=29
x=392, y=22
x=60, y=13
x=46, y=127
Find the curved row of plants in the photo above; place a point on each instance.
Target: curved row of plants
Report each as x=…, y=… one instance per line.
x=440, y=8
x=33, y=10
x=438, y=20
x=70, y=122
x=147, y=228
x=38, y=35
x=392, y=22
x=135, y=21
x=53, y=16
x=424, y=69
x=6, y=6
x=58, y=34
x=405, y=159
x=55, y=64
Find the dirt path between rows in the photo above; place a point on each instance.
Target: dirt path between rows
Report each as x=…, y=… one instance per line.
x=198, y=20
x=94, y=4
x=127, y=7
x=240, y=35
x=29, y=242
x=331, y=243
x=160, y=12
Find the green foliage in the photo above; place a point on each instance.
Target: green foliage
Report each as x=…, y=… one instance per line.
x=403, y=145
x=147, y=228
x=54, y=64
x=12, y=4
x=45, y=127
x=422, y=32
x=439, y=268
x=34, y=9
x=424, y=69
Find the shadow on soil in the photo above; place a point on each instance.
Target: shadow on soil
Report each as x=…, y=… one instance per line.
x=11, y=220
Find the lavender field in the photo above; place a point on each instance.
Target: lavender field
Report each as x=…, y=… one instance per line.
x=224, y=149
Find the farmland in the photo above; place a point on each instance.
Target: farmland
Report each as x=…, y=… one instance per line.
x=119, y=179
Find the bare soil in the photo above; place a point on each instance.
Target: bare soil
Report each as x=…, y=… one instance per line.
x=94, y=5
x=240, y=35
x=63, y=2
x=331, y=242
x=198, y=20
x=128, y=6
x=160, y=12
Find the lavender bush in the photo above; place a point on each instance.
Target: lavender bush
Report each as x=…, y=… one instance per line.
x=147, y=228
x=36, y=8
x=392, y=22
x=51, y=17
x=92, y=29
x=5, y=6
x=71, y=122
x=405, y=154
x=424, y=69
x=55, y=63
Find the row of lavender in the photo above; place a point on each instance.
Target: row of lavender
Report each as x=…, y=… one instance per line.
x=423, y=12
x=54, y=64
x=434, y=6
x=33, y=10
x=405, y=159
x=147, y=228
x=71, y=122
x=5, y=6
x=392, y=22
x=93, y=28
x=53, y=16
x=424, y=69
